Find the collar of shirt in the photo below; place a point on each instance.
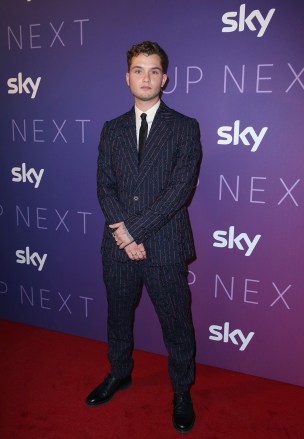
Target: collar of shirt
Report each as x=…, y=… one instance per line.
x=150, y=117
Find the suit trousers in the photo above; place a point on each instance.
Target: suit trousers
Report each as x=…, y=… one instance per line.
x=169, y=292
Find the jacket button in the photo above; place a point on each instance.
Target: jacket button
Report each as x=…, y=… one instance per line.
x=135, y=198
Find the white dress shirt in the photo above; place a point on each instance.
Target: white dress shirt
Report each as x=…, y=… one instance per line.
x=150, y=117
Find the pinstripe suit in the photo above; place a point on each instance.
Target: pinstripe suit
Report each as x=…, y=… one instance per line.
x=152, y=200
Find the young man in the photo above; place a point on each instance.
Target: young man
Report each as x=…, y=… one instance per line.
x=147, y=170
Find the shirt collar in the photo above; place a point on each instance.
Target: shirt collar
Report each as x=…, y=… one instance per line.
x=150, y=113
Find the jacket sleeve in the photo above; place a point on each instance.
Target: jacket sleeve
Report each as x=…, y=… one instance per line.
x=106, y=181
x=175, y=196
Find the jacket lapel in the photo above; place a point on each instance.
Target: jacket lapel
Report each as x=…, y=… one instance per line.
x=159, y=132
x=128, y=142
x=126, y=137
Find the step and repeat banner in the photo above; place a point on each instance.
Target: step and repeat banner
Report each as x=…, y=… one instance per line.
x=238, y=68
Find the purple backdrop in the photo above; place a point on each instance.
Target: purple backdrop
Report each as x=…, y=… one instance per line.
x=237, y=68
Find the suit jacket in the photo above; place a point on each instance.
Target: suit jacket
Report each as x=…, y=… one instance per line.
x=151, y=198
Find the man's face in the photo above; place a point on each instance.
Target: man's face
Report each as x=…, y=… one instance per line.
x=145, y=78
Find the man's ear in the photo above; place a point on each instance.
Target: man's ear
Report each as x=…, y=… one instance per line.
x=127, y=78
x=164, y=80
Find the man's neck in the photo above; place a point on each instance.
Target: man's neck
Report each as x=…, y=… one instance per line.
x=145, y=105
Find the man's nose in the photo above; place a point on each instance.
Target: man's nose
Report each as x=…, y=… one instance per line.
x=146, y=77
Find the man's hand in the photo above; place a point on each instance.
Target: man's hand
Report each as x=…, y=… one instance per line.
x=125, y=241
x=121, y=235
x=136, y=252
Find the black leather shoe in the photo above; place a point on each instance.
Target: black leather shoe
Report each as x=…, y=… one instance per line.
x=105, y=391
x=183, y=414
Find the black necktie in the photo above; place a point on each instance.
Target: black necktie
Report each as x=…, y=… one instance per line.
x=143, y=132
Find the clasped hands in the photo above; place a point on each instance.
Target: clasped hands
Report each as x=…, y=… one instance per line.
x=125, y=242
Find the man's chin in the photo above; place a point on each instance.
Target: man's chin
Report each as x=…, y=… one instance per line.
x=146, y=98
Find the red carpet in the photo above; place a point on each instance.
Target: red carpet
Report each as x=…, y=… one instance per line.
x=45, y=377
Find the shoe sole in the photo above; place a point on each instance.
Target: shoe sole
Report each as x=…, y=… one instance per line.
x=123, y=387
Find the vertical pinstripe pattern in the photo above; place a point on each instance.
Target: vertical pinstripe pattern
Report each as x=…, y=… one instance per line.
x=152, y=201
x=168, y=289
x=162, y=184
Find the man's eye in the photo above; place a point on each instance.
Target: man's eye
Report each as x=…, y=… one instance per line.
x=137, y=71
